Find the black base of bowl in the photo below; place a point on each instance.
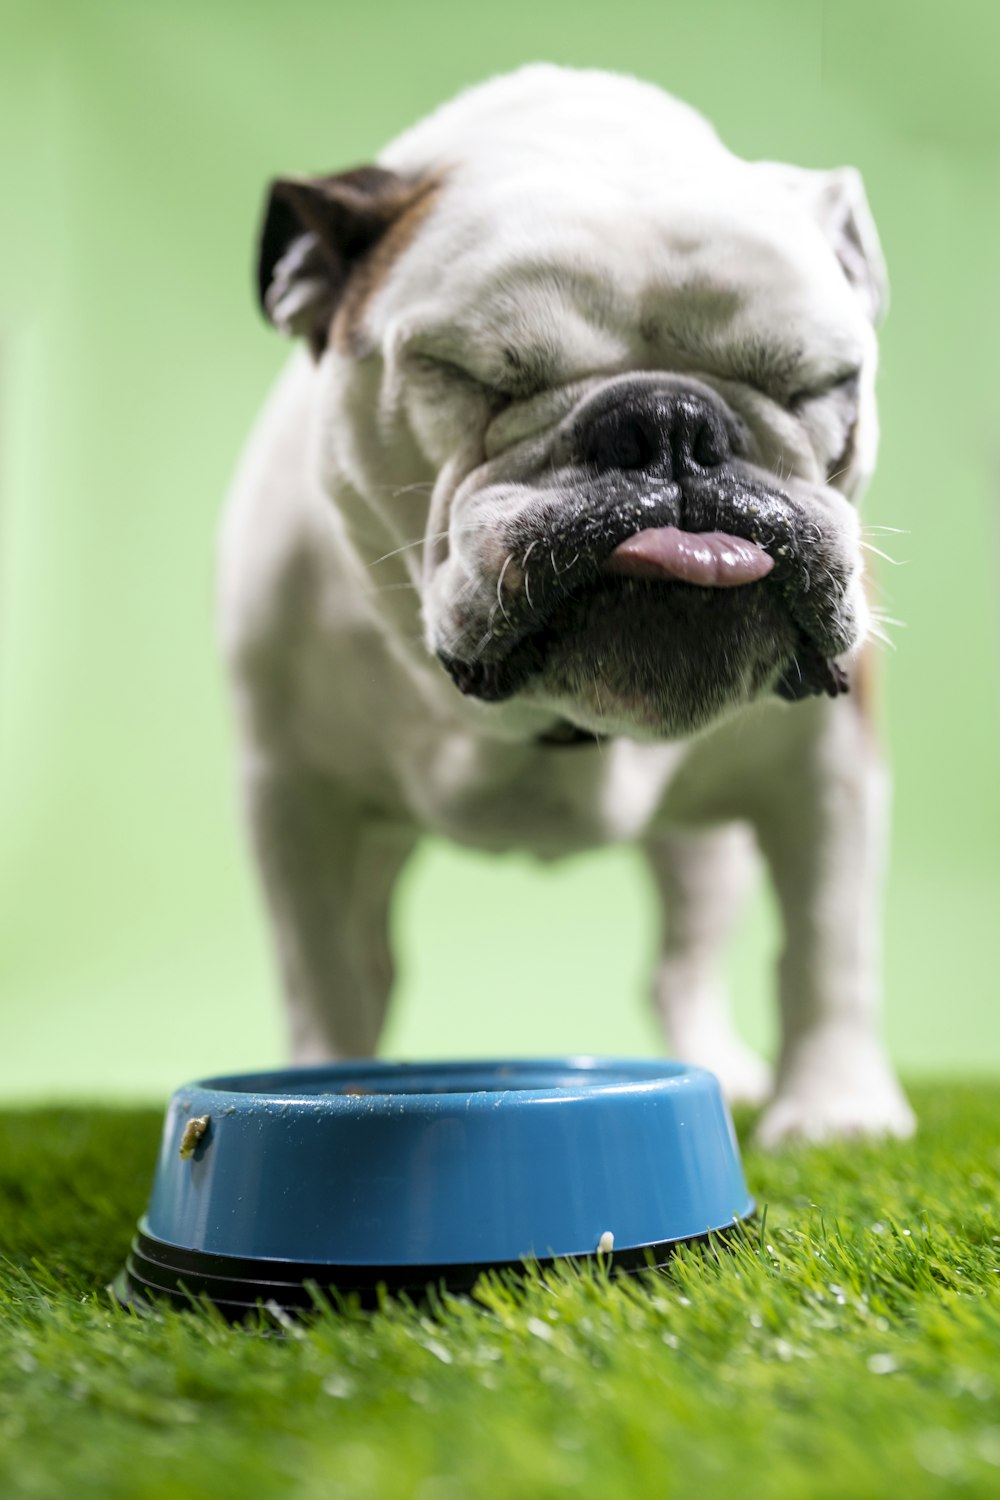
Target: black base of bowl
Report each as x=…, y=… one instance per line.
x=238, y=1286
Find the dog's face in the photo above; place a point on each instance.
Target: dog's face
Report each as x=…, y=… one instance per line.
x=637, y=374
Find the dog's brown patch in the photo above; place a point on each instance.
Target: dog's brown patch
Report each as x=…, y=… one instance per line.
x=866, y=680
x=865, y=684
x=347, y=328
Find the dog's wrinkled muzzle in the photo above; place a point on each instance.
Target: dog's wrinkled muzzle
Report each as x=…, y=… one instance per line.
x=654, y=486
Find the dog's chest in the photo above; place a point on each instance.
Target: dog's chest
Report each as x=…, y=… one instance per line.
x=547, y=800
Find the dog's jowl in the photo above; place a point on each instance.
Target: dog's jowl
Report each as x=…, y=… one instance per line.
x=548, y=539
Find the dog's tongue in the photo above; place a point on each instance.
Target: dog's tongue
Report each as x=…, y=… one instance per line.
x=712, y=558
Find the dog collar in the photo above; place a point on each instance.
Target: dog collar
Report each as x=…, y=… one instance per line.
x=564, y=733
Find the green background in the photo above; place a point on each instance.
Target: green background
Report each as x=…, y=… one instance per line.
x=136, y=139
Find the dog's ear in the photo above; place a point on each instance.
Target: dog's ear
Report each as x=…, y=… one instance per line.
x=839, y=204
x=315, y=230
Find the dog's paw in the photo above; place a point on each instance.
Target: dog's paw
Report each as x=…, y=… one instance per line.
x=830, y=1116
x=835, y=1083
x=745, y=1077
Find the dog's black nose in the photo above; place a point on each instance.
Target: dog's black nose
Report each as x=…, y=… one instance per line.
x=676, y=433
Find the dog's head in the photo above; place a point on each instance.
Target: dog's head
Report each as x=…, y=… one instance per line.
x=621, y=384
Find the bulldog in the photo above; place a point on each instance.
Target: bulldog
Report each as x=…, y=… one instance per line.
x=547, y=539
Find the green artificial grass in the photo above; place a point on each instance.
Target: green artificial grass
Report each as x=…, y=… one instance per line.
x=848, y=1345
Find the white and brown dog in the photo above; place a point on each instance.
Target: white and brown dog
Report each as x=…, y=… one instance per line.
x=549, y=541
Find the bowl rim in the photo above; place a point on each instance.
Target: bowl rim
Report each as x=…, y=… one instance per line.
x=472, y=1083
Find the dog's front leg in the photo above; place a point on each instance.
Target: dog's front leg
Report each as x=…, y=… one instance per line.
x=702, y=877
x=328, y=870
x=822, y=826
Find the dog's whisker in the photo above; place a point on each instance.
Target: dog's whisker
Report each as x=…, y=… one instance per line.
x=484, y=641
x=487, y=636
x=828, y=574
x=896, y=562
x=432, y=536
x=880, y=636
x=524, y=565
x=407, y=547
x=392, y=490
x=507, y=562
x=876, y=583
x=600, y=710
x=412, y=489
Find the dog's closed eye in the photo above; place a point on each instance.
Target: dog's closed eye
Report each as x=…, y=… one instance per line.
x=844, y=385
x=511, y=372
x=433, y=366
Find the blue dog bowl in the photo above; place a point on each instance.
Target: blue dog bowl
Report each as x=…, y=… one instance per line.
x=364, y=1174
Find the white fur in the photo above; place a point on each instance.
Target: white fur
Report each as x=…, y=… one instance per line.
x=333, y=585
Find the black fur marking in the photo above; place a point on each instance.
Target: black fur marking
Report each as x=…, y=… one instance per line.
x=811, y=675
